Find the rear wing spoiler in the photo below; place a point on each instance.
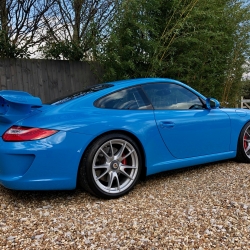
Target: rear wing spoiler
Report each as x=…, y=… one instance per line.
x=15, y=105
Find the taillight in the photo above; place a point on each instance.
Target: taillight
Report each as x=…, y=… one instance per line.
x=18, y=133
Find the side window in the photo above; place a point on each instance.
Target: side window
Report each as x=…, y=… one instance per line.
x=131, y=98
x=171, y=96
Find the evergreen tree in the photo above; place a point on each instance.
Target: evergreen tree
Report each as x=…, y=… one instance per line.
x=128, y=51
x=202, y=43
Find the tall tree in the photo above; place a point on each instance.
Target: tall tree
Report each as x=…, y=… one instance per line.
x=21, y=25
x=75, y=28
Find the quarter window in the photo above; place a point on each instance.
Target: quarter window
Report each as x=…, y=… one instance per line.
x=171, y=96
x=131, y=98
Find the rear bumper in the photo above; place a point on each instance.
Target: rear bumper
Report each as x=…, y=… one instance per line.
x=48, y=164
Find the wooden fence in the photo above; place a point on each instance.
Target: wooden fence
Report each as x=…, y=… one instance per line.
x=47, y=79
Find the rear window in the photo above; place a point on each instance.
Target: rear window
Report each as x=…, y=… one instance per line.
x=81, y=93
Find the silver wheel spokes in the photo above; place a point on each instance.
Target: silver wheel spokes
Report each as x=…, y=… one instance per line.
x=115, y=166
x=246, y=142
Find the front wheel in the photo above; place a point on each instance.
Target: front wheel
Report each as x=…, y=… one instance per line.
x=243, y=150
x=111, y=166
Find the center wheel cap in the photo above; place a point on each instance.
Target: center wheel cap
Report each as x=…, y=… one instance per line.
x=115, y=165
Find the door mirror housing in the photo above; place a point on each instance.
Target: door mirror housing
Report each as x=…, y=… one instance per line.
x=212, y=103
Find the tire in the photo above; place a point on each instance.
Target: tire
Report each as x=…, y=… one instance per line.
x=111, y=166
x=243, y=149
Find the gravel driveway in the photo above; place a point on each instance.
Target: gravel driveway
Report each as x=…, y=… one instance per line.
x=204, y=207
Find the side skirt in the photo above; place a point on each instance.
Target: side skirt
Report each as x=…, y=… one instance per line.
x=188, y=162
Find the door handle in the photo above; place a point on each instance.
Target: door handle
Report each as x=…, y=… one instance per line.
x=166, y=124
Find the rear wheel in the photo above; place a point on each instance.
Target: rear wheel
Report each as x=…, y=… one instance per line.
x=243, y=151
x=111, y=166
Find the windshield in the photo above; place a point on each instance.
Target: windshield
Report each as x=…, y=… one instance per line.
x=81, y=93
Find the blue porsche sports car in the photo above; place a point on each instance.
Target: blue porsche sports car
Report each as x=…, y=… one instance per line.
x=107, y=136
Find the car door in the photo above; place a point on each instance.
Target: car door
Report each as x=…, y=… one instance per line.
x=187, y=128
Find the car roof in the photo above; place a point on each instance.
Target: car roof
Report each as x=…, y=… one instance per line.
x=129, y=82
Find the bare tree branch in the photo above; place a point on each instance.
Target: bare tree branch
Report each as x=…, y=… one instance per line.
x=81, y=24
x=21, y=22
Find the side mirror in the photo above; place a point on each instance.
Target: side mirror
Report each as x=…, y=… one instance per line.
x=212, y=103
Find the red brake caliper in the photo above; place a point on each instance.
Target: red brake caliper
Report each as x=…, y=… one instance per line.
x=245, y=142
x=124, y=161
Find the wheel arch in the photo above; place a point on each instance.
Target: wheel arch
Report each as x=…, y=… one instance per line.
x=240, y=131
x=132, y=136
x=241, y=156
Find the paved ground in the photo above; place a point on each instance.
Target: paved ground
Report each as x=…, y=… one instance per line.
x=197, y=208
